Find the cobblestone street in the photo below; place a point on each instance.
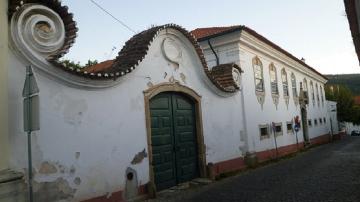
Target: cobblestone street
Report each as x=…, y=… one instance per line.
x=326, y=173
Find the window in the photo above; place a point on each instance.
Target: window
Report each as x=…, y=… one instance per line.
x=258, y=74
x=305, y=86
x=324, y=120
x=315, y=122
x=320, y=120
x=317, y=94
x=293, y=85
x=322, y=95
x=273, y=79
x=285, y=82
x=264, y=131
x=312, y=93
x=278, y=129
x=309, y=123
x=289, y=127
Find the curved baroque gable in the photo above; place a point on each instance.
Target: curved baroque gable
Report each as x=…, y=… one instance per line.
x=48, y=30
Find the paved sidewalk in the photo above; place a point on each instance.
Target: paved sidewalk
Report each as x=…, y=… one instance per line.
x=328, y=173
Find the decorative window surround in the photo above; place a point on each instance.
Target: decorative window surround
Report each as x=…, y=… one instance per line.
x=285, y=86
x=317, y=94
x=322, y=95
x=312, y=93
x=274, y=84
x=294, y=89
x=259, y=80
x=264, y=131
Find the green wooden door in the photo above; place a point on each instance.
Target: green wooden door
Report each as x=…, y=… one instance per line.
x=173, y=137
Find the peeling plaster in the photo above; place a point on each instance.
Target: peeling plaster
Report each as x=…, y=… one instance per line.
x=77, y=181
x=53, y=191
x=150, y=84
x=139, y=157
x=172, y=79
x=183, y=77
x=47, y=168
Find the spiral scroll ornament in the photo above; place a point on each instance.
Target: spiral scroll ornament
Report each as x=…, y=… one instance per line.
x=37, y=32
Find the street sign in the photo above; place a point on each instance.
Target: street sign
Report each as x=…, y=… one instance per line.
x=30, y=85
x=31, y=112
x=31, y=119
x=31, y=102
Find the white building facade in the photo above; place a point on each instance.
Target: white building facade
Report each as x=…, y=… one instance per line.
x=160, y=114
x=271, y=83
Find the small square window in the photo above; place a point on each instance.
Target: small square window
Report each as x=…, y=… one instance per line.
x=310, y=122
x=264, y=131
x=315, y=122
x=278, y=129
x=289, y=127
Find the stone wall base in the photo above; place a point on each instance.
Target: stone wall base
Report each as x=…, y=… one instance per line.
x=232, y=165
x=12, y=187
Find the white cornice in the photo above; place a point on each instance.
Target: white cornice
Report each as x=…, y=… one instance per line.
x=253, y=43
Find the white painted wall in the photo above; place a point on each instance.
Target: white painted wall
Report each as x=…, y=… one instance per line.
x=4, y=151
x=247, y=47
x=332, y=114
x=349, y=127
x=107, y=127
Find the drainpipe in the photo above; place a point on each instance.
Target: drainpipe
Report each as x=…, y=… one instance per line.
x=212, y=49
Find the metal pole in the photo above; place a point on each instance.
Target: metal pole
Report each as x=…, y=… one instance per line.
x=332, y=132
x=297, y=141
x=28, y=74
x=276, y=148
x=30, y=168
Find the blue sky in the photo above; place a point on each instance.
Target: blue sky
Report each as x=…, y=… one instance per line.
x=316, y=30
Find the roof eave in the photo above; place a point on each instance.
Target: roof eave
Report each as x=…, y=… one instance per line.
x=352, y=16
x=220, y=34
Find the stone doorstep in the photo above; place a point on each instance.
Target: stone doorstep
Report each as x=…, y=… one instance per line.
x=9, y=176
x=12, y=186
x=197, y=182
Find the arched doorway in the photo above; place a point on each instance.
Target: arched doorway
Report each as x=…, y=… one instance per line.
x=173, y=139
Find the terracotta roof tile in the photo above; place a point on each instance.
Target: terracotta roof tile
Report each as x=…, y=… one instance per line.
x=206, y=33
x=210, y=31
x=99, y=67
x=223, y=74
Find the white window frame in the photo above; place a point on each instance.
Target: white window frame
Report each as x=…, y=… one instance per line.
x=273, y=81
x=293, y=85
x=267, y=129
x=285, y=82
x=312, y=93
x=257, y=63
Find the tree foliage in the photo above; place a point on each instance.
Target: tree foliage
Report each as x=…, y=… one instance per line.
x=346, y=110
x=352, y=81
x=77, y=65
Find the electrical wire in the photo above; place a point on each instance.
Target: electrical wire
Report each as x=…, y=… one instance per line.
x=107, y=12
